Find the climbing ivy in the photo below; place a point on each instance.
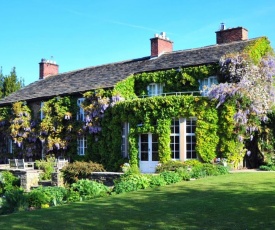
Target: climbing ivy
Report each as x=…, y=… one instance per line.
x=257, y=49
x=229, y=146
x=180, y=80
x=155, y=114
x=125, y=88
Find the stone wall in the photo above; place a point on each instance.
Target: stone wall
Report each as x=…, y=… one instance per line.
x=107, y=178
x=57, y=179
x=28, y=178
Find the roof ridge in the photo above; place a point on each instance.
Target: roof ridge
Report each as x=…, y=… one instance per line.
x=215, y=45
x=97, y=66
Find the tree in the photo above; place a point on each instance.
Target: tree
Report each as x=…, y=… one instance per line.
x=9, y=83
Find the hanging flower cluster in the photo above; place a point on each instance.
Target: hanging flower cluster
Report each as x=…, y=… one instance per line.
x=250, y=85
x=20, y=127
x=56, y=126
x=95, y=105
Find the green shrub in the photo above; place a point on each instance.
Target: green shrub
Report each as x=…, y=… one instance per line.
x=13, y=201
x=268, y=166
x=52, y=196
x=80, y=170
x=47, y=166
x=73, y=196
x=184, y=173
x=88, y=189
x=197, y=172
x=156, y=180
x=203, y=170
x=8, y=182
x=170, y=177
x=131, y=182
x=222, y=169
x=36, y=198
x=193, y=163
x=210, y=169
x=133, y=169
x=170, y=166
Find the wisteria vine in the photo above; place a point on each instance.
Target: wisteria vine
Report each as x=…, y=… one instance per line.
x=250, y=85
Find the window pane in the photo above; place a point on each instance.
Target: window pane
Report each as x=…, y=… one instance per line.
x=144, y=138
x=155, y=156
x=144, y=146
x=154, y=146
x=154, y=138
x=190, y=138
x=144, y=156
x=174, y=139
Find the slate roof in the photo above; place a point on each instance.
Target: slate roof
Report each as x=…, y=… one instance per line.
x=105, y=76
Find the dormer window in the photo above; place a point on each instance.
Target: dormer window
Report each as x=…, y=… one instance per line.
x=206, y=83
x=155, y=89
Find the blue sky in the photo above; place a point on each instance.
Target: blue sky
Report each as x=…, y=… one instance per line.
x=82, y=33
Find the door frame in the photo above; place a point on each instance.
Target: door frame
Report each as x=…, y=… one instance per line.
x=146, y=162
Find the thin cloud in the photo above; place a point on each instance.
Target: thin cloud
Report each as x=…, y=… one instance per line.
x=133, y=26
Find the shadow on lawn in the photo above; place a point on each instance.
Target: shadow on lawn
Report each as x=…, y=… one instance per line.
x=187, y=205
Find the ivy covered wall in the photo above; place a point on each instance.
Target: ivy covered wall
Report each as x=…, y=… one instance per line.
x=107, y=109
x=155, y=114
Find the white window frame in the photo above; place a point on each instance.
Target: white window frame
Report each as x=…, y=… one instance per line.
x=81, y=145
x=125, y=144
x=175, y=153
x=80, y=113
x=183, y=135
x=206, y=83
x=192, y=135
x=155, y=89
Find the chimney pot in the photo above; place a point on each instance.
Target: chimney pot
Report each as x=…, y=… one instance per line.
x=47, y=68
x=160, y=44
x=222, y=26
x=231, y=35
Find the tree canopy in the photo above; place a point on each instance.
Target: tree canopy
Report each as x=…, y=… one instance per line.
x=9, y=83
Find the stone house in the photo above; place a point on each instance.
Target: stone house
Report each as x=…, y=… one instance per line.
x=165, y=113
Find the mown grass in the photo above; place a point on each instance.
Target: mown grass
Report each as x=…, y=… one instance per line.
x=234, y=201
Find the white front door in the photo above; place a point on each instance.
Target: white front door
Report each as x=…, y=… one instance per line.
x=148, y=152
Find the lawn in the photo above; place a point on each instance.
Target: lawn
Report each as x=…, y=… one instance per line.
x=234, y=201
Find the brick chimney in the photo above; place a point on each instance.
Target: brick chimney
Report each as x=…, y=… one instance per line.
x=47, y=68
x=160, y=44
x=231, y=35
